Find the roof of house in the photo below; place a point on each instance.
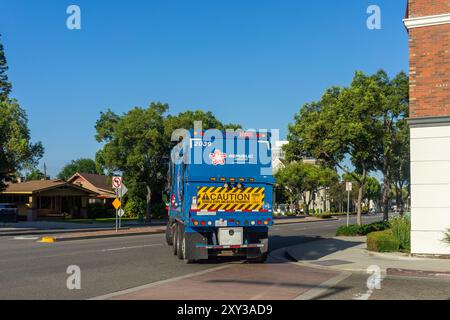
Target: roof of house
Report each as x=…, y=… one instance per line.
x=38, y=186
x=99, y=181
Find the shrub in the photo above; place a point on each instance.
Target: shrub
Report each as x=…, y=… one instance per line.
x=447, y=236
x=375, y=226
x=401, y=230
x=324, y=216
x=351, y=230
x=134, y=209
x=355, y=230
x=382, y=241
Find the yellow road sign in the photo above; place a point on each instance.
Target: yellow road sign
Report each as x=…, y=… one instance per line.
x=116, y=203
x=226, y=199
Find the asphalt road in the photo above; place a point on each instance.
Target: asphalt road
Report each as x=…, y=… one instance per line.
x=32, y=270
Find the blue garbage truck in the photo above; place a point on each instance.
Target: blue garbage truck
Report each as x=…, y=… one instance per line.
x=219, y=191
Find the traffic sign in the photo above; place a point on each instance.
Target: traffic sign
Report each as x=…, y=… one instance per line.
x=120, y=212
x=348, y=186
x=122, y=191
x=117, y=182
x=116, y=203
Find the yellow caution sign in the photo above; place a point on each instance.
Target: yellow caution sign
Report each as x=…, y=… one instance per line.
x=116, y=203
x=226, y=199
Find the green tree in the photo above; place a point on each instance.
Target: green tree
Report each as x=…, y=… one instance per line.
x=359, y=122
x=34, y=174
x=135, y=145
x=339, y=125
x=5, y=85
x=390, y=108
x=16, y=150
x=303, y=180
x=81, y=165
x=185, y=120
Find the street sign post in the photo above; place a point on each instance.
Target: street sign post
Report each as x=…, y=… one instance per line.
x=348, y=188
x=121, y=191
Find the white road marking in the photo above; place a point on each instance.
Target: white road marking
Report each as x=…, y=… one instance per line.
x=323, y=287
x=26, y=238
x=134, y=247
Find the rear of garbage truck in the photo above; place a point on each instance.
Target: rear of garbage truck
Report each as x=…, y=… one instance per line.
x=220, y=195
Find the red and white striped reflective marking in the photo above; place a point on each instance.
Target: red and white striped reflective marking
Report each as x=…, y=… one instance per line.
x=206, y=211
x=239, y=246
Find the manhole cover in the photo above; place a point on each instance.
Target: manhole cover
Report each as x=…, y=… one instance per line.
x=329, y=263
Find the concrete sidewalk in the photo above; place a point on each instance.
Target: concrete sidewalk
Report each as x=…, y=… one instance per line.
x=350, y=254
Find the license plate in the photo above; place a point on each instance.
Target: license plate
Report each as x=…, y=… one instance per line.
x=221, y=223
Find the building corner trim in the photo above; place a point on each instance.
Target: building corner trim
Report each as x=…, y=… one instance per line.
x=426, y=21
x=429, y=121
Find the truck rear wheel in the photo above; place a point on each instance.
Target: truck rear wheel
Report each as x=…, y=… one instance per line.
x=175, y=238
x=169, y=236
x=181, y=243
x=261, y=259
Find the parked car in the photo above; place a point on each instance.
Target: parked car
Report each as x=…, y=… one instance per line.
x=8, y=212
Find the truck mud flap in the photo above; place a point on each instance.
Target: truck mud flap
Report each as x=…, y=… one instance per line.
x=253, y=253
x=192, y=251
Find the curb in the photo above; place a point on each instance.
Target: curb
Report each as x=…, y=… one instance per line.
x=321, y=220
x=59, y=231
x=113, y=235
x=417, y=273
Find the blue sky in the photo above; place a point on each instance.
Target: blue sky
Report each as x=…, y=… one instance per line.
x=253, y=62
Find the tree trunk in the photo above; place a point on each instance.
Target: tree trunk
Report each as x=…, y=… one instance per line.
x=400, y=197
x=386, y=189
x=148, y=206
x=360, y=196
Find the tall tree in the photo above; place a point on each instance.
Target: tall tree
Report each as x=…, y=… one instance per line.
x=390, y=109
x=339, y=125
x=81, y=165
x=135, y=145
x=360, y=122
x=16, y=149
x=35, y=174
x=5, y=85
x=303, y=181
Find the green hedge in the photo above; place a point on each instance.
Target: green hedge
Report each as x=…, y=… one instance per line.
x=382, y=241
x=356, y=230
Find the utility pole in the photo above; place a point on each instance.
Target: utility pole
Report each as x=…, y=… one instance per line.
x=45, y=171
x=348, y=188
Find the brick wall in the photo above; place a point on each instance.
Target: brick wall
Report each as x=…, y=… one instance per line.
x=420, y=8
x=429, y=62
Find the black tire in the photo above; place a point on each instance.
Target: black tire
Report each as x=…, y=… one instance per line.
x=181, y=244
x=169, y=236
x=261, y=259
x=175, y=238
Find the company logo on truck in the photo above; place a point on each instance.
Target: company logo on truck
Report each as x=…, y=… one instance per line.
x=218, y=157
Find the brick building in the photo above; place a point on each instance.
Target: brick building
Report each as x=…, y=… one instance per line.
x=428, y=24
